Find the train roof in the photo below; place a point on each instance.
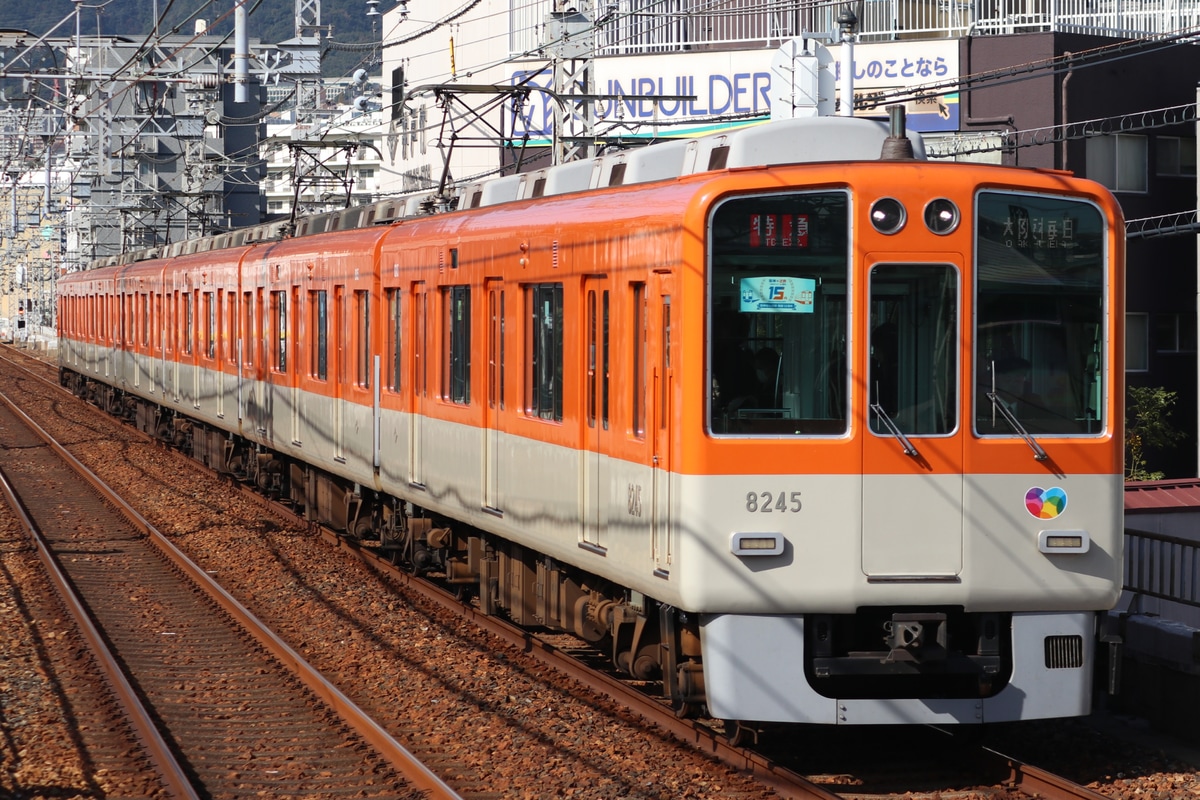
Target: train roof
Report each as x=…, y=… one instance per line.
x=792, y=141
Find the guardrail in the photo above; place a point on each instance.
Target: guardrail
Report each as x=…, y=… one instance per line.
x=1166, y=567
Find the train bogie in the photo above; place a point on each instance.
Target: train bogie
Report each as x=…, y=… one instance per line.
x=821, y=442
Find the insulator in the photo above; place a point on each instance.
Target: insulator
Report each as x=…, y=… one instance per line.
x=206, y=80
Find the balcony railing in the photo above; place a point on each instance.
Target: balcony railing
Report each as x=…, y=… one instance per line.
x=628, y=27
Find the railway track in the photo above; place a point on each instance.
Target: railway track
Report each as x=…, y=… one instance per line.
x=220, y=706
x=1002, y=777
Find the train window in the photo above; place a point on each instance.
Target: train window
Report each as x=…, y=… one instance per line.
x=362, y=310
x=544, y=358
x=249, y=335
x=318, y=303
x=210, y=328
x=1040, y=315
x=279, y=326
x=778, y=322
x=639, y=359
x=394, y=339
x=189, y=323
x=912, y=375
x=457, y=362
x=230, y=327
x=145, y=314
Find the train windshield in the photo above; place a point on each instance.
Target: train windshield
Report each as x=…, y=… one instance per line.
x=1039, y=319
x=779, y=266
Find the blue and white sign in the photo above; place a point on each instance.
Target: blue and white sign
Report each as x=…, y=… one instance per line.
x=739, y=82
x=779, y=295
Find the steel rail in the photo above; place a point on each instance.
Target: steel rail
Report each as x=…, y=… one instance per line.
x=416, y=773
x=172, y=773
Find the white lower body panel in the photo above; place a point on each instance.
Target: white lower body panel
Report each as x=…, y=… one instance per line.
x=754, y=670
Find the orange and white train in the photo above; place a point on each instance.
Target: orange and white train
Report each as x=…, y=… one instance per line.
x=806, y=426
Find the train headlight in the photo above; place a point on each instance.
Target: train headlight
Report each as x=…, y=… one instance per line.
x=756, y=544
x=941, y=216
x=888, y=215
x=1064, y=541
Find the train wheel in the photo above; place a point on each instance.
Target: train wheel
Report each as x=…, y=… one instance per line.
x=686, y=710
x=738, y=735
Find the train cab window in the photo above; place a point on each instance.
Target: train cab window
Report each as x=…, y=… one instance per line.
x=318, y=303
x=912, y=373
x=1040, y=309
x=456, y=377
x=544, y=351
x=777, y=330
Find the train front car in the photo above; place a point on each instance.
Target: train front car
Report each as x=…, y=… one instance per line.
x=906, y=507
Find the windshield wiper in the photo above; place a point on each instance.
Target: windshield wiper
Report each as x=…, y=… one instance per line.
x=909, y=450
x=1015, y=424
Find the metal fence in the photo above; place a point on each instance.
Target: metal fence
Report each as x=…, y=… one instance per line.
x=1166, y=567
x=628, y=27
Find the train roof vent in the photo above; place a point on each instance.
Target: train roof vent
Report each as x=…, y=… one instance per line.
x=529, y=184
x=237, y=238
x=350, y=217
x=189, y=246
x=710, y=153
x=659, y=162
x=611, y=171
x=500, y=190
x=574, y=176
x=812, y=139
x=318, y=224
x=386, y=210
x=471, y=196
x=412, y=205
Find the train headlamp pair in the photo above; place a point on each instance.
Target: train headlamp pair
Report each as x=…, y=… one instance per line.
x=888, y=215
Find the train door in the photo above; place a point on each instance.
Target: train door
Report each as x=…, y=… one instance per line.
x=658, y=353
x=420, y=384
x=494, y=402
x=596, y=479
x=913, y=442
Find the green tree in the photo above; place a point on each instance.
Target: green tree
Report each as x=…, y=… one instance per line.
x=1147, y=427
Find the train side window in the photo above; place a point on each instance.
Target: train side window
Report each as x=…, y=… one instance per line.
x=456, y=378
x=279, y=326
x=319, y=325
x=210, y=327
x=362, y=307
x=248, y=333
x=638, y=360
x=230, y=327
x=395, y=338
x=145, y=312
x=189, y=323
x=544, y=351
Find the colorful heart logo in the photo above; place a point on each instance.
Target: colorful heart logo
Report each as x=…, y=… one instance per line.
x=1046, y=503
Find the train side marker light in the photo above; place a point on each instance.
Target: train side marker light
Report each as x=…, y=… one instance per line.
x=1063, y=541
x=756, y=544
